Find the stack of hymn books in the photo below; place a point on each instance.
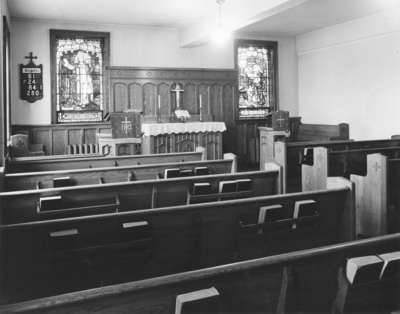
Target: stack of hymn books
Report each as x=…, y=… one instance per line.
x=201, y=188
x=306, y=208
x=370, y=268
x=61, y=181
x=235, y=186
x=50, y=202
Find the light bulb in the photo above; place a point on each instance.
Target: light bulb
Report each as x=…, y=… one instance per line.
x=220, y=35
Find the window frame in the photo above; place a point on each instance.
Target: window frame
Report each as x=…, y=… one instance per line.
x=260, y=43
x=63, y=33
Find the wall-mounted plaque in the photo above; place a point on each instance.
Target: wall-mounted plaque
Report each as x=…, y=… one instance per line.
x=31, y=80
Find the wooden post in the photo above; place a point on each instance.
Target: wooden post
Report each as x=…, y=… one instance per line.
x=348, y=221
x=203, y=152
x=280, y=157
x=1, y=240
x=286, y=295
x=314, y=177
x=231, y=156
x=371, y=197
x=272, y=166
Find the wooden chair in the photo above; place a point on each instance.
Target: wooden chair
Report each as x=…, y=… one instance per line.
x=20, y=146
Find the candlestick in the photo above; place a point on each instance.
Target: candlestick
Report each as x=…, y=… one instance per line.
x=159, y=107
x=200, y=105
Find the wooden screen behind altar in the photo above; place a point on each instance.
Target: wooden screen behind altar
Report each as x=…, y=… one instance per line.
x=139, y=88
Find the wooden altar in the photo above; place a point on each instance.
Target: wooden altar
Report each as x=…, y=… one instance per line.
x=183, y=137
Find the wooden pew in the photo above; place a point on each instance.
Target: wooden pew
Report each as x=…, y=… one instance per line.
x=301, y=281
x=55, y=256
x=68, y=177
x=290, y=155
x=376, y=187
x=49, y=163
x=27, y=205
x=320, y=132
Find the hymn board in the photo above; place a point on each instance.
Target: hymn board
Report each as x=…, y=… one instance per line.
x=31, y=80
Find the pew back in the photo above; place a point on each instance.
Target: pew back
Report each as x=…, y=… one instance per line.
x=254, y=286
x=20, y=206
x=42, y=256
x=47, y=179
x=47, y=163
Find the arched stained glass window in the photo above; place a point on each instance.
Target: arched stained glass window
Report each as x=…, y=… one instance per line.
x=78, y=64
x=256, y=64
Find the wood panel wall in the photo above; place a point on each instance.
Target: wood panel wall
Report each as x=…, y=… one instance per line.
x=56, y=137
x=138, y=88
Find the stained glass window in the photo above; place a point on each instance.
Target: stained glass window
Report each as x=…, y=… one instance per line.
x=78, y=78
x=256, y=67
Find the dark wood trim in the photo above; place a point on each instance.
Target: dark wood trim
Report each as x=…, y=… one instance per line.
x=261, y=43
x=6, y=87
x=57, y=33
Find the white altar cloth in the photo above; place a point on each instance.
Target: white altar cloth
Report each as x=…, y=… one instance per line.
x=154, y=129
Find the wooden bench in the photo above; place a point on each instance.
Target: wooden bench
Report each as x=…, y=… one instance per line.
x=377, y=181
x=56, y=256
x=301, y=281
x=320, y=132
x=290, y=155
x=27, y=205
x=49, y=163
x=67, y=177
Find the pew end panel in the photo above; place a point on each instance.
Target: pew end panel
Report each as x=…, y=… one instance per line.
x=280, y=157
x=348, y=224
x=1, y=238
x=314, y=176
x=202, y=151
x=273, y=166
x=231, y=156
x=371, y=197
x=394, y=195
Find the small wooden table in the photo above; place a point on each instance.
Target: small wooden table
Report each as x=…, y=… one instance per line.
x=118, y=146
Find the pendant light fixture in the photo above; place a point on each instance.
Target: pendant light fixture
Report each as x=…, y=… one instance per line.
x=220, y=34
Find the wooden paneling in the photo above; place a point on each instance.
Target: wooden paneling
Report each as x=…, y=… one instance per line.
x=142, y=86
x=56, y=137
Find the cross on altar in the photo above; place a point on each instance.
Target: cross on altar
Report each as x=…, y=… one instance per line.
x=177, y=92
x=30, y=57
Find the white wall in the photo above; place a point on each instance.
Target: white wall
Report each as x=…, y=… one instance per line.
x=351, y=73
x=133, y=46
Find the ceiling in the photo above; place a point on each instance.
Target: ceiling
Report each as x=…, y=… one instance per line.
x=315, y=14
x=171, y=13
x=304, y=16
